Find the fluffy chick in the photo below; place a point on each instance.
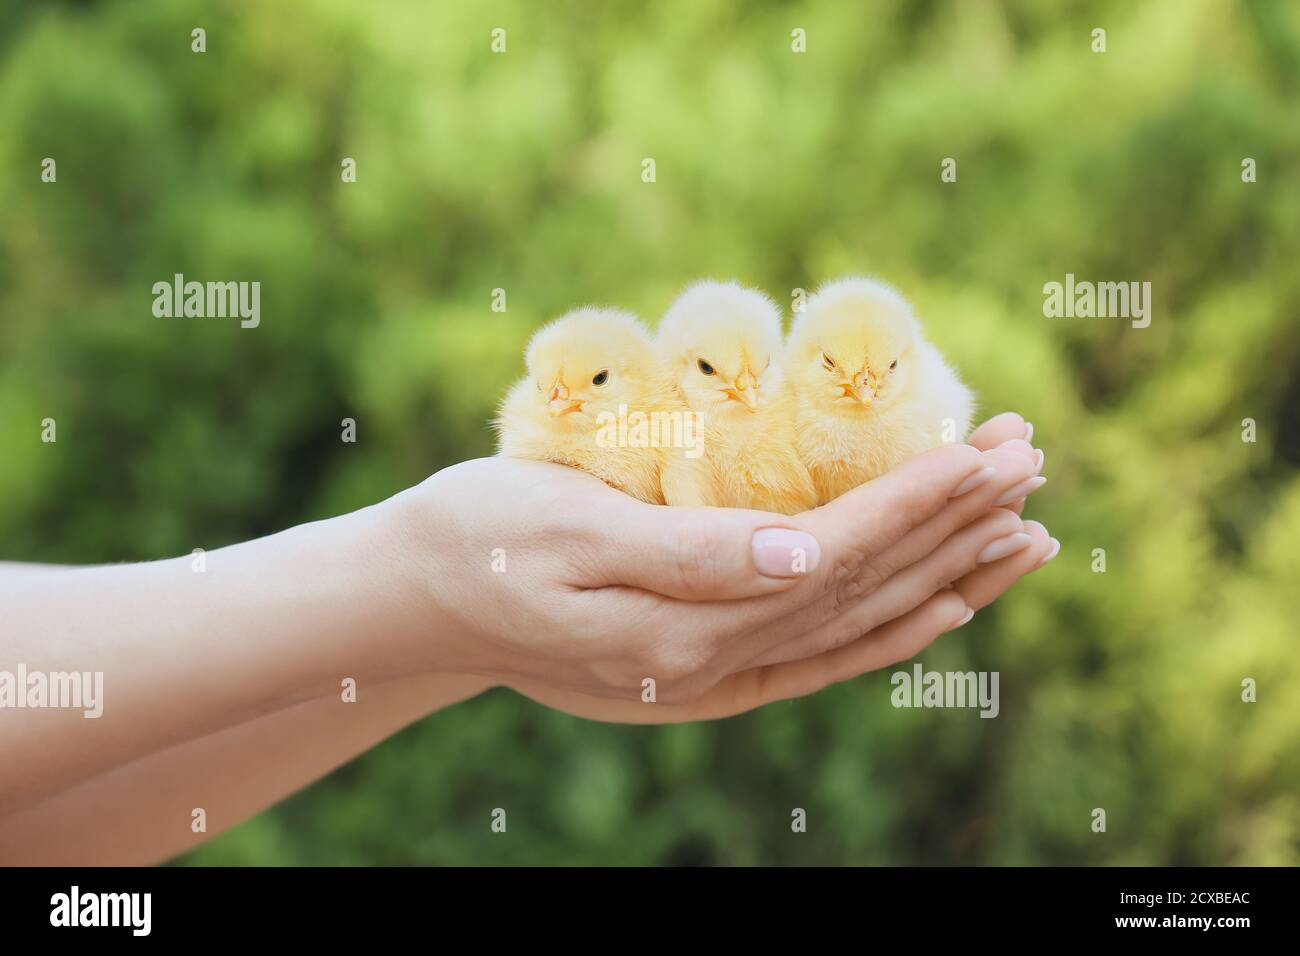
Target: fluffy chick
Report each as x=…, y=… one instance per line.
x=870, y=390
x=587, y=371
x=722, y=345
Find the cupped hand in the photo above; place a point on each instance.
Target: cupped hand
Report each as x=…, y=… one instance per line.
x=544, y=579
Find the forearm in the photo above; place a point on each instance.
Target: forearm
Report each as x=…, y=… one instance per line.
x=10, y=570
x=143, y=812
x=184, y=653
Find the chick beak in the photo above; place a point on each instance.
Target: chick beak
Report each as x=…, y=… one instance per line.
x=745, y=390
x=559, y=401
x=861, y=390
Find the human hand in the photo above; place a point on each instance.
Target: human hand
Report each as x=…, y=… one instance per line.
x=594, y=592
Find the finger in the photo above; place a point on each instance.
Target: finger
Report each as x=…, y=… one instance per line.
x=989, y=539
x=721, y=554
x=888, y=644
x=1013, y=469
x=873, y=516
x=986, y=583
x=998, y=429
x=896, y=641
x=1018, y=506
x=850, y=530
x=696, y=554
x=760, y=627
x=738, y=631
x=902, y=639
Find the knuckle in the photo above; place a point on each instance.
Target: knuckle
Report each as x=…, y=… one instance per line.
x=873, y=574
x=848, y=561
x=857, y=575
x=674, y=664
x=850, y=592
x=612, y=677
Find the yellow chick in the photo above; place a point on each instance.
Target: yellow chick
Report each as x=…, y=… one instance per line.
x=596, y=398
x=722, y=345
x=870, y=390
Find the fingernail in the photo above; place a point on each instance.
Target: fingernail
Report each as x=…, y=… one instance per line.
x=1026, y=487
x=973, y=481
x=1053, y=552
x=784, y=553
x=1017, y=443
x=1029, y=430
x=970, y=613
x=999, y=549
x=1038, y=460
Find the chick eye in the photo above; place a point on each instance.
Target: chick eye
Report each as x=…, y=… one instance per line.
x=601, y=377
x=706, y=368
x=828, y=361
x=893, y=365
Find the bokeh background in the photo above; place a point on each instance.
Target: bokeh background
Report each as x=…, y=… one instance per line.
x=1120, y=690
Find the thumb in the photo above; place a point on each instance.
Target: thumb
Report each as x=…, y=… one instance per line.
x=702, y=554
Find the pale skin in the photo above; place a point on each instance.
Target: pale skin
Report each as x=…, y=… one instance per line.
x=222, y=689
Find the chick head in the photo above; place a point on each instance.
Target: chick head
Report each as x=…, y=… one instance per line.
x=722, y=343
x=852, y=350
x=588, y=362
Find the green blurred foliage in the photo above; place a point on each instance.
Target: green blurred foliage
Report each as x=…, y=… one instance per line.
x=1119, y=690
